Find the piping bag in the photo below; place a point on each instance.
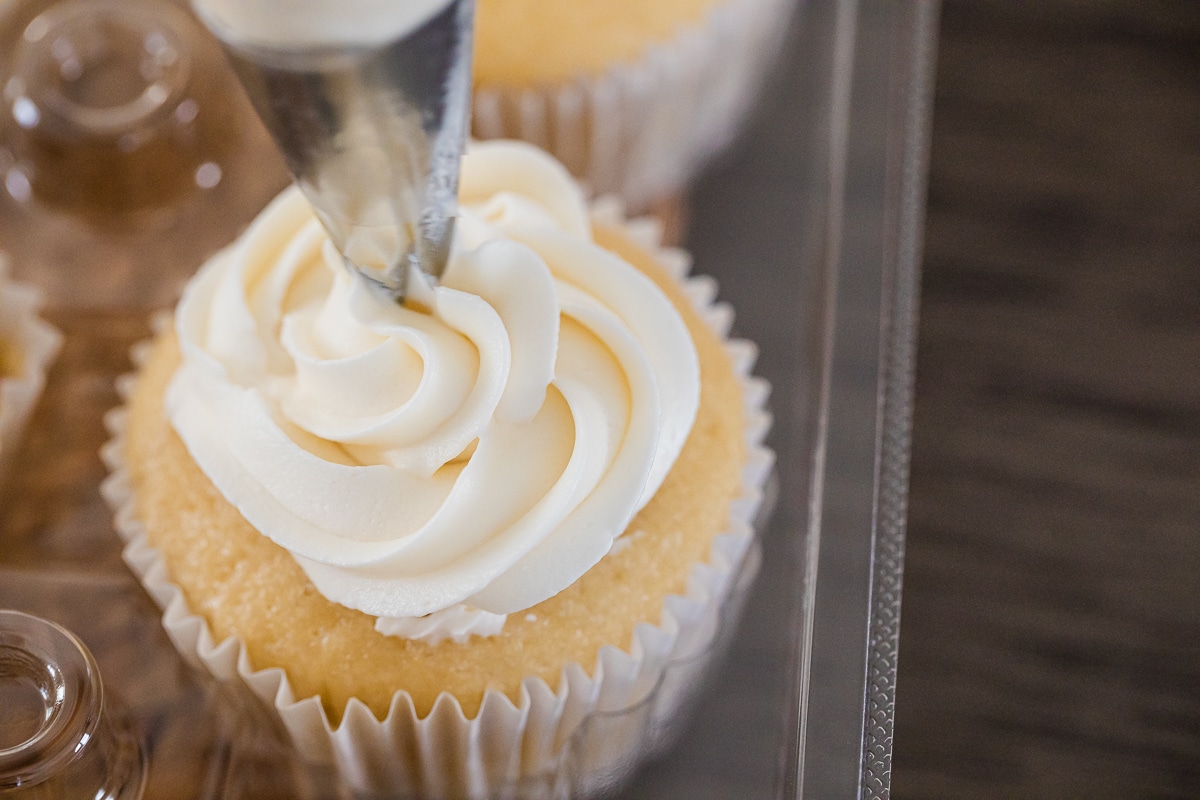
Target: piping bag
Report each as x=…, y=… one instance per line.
x=369, y=102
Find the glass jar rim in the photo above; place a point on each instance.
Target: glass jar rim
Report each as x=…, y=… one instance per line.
x=160, y=26
x=33, y=649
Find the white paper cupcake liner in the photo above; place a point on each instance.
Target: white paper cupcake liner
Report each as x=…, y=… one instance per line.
x=36, y=343
x=642, y=130
x=554, y=742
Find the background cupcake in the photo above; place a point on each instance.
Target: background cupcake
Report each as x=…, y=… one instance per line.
x=27, y=346
x=633, y=97
x=594, y=616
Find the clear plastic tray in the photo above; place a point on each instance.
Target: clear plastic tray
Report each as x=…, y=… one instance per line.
x=810, y=223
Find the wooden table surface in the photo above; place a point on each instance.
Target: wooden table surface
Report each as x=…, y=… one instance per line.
x=1050, y=641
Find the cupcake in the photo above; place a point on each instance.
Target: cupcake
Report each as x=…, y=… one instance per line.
x=632, y=97
x=27, y=346
x=439, y=538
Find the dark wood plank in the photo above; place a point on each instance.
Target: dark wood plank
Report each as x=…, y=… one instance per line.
x=1050, y=641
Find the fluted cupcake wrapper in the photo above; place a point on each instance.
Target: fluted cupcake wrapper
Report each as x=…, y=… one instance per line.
x=582, y=736
x=35, y=342
x=642, y=130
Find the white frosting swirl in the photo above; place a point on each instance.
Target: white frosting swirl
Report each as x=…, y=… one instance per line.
x=457, y=623
x=485, y=450
x=300, y=23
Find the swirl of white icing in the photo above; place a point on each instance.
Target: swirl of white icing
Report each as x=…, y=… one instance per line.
x=484, y=449
x=457, y=623
x=316, y=22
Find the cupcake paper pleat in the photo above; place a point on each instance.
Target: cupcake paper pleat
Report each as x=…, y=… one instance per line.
x=35, y=343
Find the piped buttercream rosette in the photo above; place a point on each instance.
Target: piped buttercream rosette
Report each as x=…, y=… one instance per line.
x=301, y=392
x=482, y=450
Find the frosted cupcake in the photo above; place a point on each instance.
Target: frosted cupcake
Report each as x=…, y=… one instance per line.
x=28, y=345
x=633, y=97
x=437, y=538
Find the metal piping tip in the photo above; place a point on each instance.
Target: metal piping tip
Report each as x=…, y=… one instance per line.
x=373, y=130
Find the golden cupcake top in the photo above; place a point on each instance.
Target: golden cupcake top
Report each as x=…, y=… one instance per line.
x=538, y=42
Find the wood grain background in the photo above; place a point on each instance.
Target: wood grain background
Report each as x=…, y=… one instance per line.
x=1050, y=643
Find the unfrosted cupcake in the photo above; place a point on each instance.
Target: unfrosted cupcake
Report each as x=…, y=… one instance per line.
x=438, y=538
x=28, y=345
x=633, y=97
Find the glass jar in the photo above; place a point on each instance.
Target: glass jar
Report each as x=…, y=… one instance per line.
x=128, y=153
x=105, y=113
x=60, y=736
